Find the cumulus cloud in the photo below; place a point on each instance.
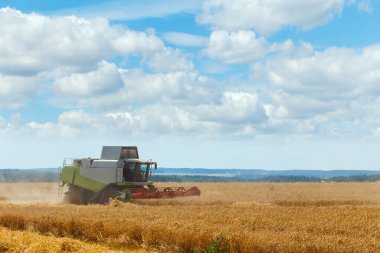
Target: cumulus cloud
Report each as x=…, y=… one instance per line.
x=242, y=46
x=301, y=90
x=71, y=124
x=16, y=91
x=332, y=86
x=67, y=43
x=180, y=87
x=132, y=42
x=169, y=60
x=331, y=74
x=168, y=119
x=104, y=79
x=101, y=123
x=236, y=47
x=140, y=88
x=308, y=91
x=155, y=118
x=231, y=113
x=267, y=17
x=234, y=107
x=235, y=111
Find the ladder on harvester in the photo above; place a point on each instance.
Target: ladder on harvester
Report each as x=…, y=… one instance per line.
x=60, y=183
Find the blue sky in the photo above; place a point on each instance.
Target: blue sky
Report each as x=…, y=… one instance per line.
x=213, y=84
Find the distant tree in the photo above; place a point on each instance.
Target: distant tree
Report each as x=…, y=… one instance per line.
x=356, y=178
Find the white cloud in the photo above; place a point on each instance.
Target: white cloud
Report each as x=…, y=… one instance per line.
x=104, y=80
x=236, y=47
x=331, y=74
x=235, y=108
x=155, y=118
x=169, y=60
x=235, y=112
x=47, y=130
x=166, y=119
x=132, y=42
x=76, y=118
x=307, y=91
x=71, y=124
x=65, y=43
x=185, y=39
x=243, y=47
x=366, y=113
x=332, y=89
x=139, y=88
x=102, y=123
x=232, y=113
x=16, y=91
x=178, y=87
x=268, y=16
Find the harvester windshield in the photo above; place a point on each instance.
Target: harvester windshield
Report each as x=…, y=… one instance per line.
x=135, y=171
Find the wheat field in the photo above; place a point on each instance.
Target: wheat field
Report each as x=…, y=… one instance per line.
x=21, y=241
x=236, y=217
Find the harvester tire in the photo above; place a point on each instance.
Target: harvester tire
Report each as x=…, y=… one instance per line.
x=107, y=195
x=78, y=198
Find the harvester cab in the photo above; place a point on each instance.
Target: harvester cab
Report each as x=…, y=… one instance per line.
x=119, y=173
x=133, y=168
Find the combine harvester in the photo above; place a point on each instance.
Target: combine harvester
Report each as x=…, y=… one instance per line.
x=118, y=174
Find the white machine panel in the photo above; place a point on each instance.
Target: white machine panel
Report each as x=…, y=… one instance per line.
x=104, y=171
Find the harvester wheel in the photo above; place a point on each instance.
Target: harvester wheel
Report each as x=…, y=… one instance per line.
x=78, y=198
x=107, y=195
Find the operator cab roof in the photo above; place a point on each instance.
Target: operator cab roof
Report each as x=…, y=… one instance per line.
x=138, y=160
x=119, y=153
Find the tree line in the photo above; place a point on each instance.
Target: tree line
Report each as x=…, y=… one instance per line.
x=14, y=175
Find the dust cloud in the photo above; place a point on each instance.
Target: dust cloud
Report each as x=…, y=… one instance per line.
x=24, y=193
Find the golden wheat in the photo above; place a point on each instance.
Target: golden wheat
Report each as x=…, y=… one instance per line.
x=24, y=241
x=262, y=217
